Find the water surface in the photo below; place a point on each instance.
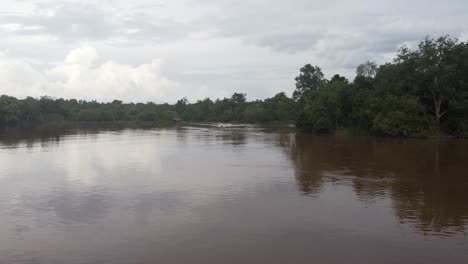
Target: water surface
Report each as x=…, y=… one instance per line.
x=230, y=195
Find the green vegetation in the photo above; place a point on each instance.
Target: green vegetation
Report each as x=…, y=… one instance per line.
x=32, y=111
x=422, y=92
x=279, y=109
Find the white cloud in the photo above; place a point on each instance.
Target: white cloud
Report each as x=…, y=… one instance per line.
x=464, y=36
x=81, y=76
x=17, y=76
x=85, y=55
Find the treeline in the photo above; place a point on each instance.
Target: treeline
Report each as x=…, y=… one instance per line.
x=422, y=92
x=278, y=109
x=31, y=111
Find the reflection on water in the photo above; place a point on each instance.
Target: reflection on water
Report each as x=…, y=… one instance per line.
x=427, y=181
x=230, y=195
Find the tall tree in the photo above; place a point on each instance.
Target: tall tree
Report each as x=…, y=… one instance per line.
x=367, y=69
x=307, y=83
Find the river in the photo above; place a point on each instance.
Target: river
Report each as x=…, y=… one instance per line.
x=230, y=194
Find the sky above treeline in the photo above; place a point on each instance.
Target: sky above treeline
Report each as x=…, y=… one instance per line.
x=149, y=50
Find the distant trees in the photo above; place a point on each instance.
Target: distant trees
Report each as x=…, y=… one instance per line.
x=31, y=111
x=424, y=91
x=279, y=109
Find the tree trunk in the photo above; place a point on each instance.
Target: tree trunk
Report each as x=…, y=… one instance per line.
x=437, y=99
x=437, y=110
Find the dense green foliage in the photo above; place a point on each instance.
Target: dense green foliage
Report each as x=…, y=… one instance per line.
x=279, y=108
x=422, y=92
x=32, y=111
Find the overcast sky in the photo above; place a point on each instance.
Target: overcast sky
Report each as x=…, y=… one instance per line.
x=149, y=50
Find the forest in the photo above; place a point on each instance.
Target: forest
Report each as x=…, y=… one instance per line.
x=422, y=92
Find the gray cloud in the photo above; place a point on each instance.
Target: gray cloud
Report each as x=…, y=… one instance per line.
x=290, y=42
x=70, y=21
x=74, y=21
x=298, y=25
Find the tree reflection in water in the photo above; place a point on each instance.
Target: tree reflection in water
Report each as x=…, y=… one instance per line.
x=425, y=179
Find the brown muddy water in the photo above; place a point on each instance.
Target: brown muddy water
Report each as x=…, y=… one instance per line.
x=230, y=195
